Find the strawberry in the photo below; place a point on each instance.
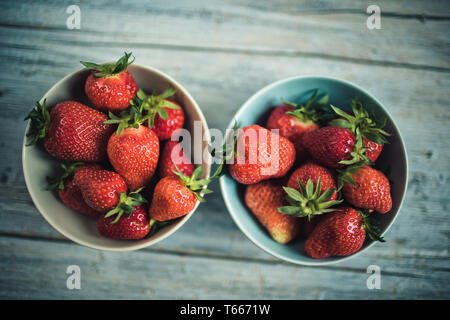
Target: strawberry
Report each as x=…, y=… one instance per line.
x=361, y=123
x=263, y=199
x=69, y=192
x=366, y=188
x=110, y=86
x=340, y=233
x=313, y=171
x=310, y=199
x=176, y=196
x=172, y=155
x=164, y=116
x=100, y=188
x=331, y=146
x=135, y=226
x=294, y=120
x=260, y=155
x=71, y=131
x=133, y=150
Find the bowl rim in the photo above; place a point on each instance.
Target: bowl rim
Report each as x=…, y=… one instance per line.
x=135, y=245
x=228, y=202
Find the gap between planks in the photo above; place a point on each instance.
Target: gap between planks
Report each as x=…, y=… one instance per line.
x=229, y=50
x=208, y=255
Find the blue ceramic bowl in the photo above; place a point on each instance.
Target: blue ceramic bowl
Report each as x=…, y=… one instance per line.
x=392, y=161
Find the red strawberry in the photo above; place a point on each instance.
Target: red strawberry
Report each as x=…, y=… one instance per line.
x=134, y=155
x=71, y=196
x=263, y=199
x=134, y=149
x=361, y=123
x=313, y=171
x=135, y=226
x=293, y=121
x=260, y=155
x=101, y=189
x=176, y=196
x=340, y=233
x=309, y=225
x=69, y=192
x=164, y=116
x=311, y=198
x=71, y=131
x=164, y=126
x=330, y=145
x=373, y=149
x=110, y=86
x=172, y=155
x=367, y=188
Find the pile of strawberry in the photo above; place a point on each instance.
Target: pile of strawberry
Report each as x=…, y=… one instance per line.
x=323, y=186
x=111, y=157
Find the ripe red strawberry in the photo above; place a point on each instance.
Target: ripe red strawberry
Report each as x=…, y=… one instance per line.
x=135, y=226
x=164, y=126
x=313, y=171
x=176, y=196
x=69, y=192
x=373, y=149
x=101, y=189
x=311, y=198
x=133, y=150
x=260, y=155
x=71, y=131
x=172, y=155
x=71, y=196
x=367, y=188
x=164, y=116
x=330, y=145
x=340, y=233
x=294, y=120
x=110, y=86
x=263, y=199
x=134, y=155
x=363, y=124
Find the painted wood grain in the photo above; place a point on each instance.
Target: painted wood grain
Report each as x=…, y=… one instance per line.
x=209, y=257
x=33, y=269
x=277, y=29
x=242, y=75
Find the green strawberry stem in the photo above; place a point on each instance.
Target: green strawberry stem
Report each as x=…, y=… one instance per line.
x=127, y=204
x=109, y=69
x=68, y=171
x=309, y=201
x=154, y=104
x=361, y=123
x=39, y=122
x=194, y=183
x=156, y=225
x=369, y=226
x=312, y=110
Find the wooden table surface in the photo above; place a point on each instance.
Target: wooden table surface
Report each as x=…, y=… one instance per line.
x=223, y=52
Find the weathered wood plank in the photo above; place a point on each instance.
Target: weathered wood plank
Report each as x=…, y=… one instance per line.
x=224, y=86
x=274, y=29
x=32, y=269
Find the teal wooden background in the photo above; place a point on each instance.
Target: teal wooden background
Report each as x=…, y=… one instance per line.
x=223, y=52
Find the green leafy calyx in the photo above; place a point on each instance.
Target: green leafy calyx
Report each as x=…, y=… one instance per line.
x=313, y=110
x=369, y=225
x=308, y=201
x=154, y=104
x=361, y=123
x=109, y=69
x=127, y=204
x=39, y=123
x=57, y=183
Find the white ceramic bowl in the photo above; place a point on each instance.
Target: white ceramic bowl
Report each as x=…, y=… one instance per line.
x=38, y=164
